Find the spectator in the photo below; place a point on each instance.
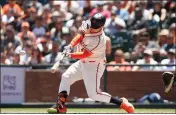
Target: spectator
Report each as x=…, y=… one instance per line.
x=13, y=8
x=34, y=3
x=55, y=15
x=57, y=7
x=31, y=19
x=87, y=8
x=170, y=60
x=73, y=7
x=49, y=4
x=116, y=25
x=10, y=37
x=172, y=30
x=170, y=7
x=74, y=24
x=145, y=13
x=162, y=37
x=158, y=13
x=4, y=59
x=39, y=29
x=46, y=16
x=43, y=46
x=25, y=33
x=16, y=58
x=7, y=18
x=169, y=43
x=128, y=5
x=36, y=57
x=137, y=22
x=121, y=12
x=9, y=51
x=55, y=52
x=139, y=46
x=119, y=59
x=147, y=59
x=48, y=39
x=150, y=44
x=99, y=8
x=110, y=6
x=56, y=31
x=25, y=59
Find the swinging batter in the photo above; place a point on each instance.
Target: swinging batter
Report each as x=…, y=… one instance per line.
x=91, y=44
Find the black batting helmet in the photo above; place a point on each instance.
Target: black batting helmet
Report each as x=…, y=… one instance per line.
x=97, y=20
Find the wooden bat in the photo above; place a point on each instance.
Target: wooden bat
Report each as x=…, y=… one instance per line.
x=56, y=65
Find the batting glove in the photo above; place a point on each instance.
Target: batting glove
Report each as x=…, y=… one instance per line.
x=168, y=80
x=67, y=49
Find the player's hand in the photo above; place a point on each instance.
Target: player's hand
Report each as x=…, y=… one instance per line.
x=68, y=49
x=67, y=54
x=85, y=26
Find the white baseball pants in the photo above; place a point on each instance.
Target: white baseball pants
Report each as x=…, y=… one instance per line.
x=91, y=73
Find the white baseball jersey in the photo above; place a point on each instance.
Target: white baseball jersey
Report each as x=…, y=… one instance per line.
x=96, y=44
x=89, y=69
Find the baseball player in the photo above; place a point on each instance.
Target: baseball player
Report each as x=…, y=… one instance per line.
x=91, y=43
x=169, y=81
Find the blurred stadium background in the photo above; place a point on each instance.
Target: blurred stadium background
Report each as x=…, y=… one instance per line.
x=141, y=42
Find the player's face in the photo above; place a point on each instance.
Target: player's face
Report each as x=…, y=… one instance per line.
x=94, y=30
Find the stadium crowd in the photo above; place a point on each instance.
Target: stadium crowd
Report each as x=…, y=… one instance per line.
x=141, y=32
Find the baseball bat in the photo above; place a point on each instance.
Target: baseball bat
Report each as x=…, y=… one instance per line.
x=56, y=65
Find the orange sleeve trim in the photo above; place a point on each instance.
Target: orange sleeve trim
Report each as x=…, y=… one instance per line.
x=78, y=38
x=80, y=55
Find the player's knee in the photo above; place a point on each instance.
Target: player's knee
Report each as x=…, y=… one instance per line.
x=65, y=78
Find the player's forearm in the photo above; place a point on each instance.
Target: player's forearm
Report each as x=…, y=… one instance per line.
x=78, y=38
x=80, y=55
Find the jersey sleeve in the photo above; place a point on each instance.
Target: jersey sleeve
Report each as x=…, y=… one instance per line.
x=80, y=55
x=77, y=39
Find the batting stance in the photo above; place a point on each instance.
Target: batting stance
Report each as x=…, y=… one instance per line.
x=91, y=43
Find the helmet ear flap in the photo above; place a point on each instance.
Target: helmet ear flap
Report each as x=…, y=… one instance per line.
x=93, y=21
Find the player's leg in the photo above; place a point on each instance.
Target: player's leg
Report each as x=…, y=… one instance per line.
x=92, y=74
x=71, y=75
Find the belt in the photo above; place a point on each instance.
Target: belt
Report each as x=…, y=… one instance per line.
x=83, y=61
x=92, y=61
